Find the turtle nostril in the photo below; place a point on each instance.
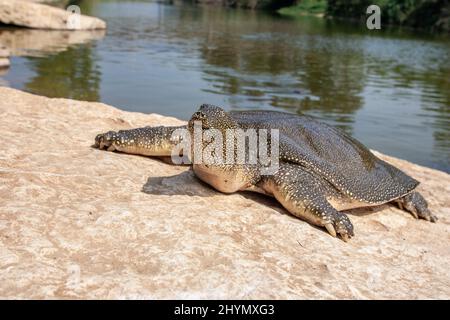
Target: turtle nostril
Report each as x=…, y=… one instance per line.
x=199, y=115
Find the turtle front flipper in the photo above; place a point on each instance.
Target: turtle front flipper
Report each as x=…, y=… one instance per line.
x=147, y=141
x=304, y=195
x=415, y=204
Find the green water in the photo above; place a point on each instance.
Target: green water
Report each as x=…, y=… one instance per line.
x=390, y=89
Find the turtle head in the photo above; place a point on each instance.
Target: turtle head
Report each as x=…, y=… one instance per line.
x=212, y=117
x=212, y=167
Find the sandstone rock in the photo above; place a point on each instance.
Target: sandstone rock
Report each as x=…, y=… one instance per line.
x=4, y=63
x=52, y=2
x=40, y=16
x=55, y=3
x=77, y=222
x=4, y=52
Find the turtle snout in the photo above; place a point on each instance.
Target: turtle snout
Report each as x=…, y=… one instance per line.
x=199, y=115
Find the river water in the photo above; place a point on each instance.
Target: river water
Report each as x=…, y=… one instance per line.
x=390, y=89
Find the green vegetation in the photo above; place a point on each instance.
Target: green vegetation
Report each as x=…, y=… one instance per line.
x=69, y=74
x=314, y=7
x=425, y=14
x=433, y=14
x=253, y=4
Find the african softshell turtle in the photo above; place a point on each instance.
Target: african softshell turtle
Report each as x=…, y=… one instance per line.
x=322, y=170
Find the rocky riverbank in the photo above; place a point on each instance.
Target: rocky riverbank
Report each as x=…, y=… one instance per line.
x=77, y=222
x=31, y=14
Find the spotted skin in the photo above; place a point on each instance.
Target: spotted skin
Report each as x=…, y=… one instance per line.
x=322, y=171
x=147, y=141
x=333, y=155
x=304, y=195
x=415, y=204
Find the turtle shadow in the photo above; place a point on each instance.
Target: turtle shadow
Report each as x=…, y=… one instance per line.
x=366, y=211
x=266, y=200
x=185, y=183
x=188, y=184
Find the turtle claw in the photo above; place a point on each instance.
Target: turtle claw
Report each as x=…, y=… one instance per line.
x=330, y=229
x=415, y=204
x=341, y=226
x=345, y=237
x=111, y=148
x=427, y=215
x=106, y=140
x=414, y=213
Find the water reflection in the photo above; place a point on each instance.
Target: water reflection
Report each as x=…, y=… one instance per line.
x=41, y=43
x=55, y=77
x=62, y=61
x=259, y=61
x=330, y=71
x=418, y=80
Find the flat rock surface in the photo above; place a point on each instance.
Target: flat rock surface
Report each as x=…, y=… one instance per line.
x=40, y=16
x=77, y=222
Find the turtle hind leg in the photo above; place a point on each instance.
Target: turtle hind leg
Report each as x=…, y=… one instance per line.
x=415, y=204
x=304, y=196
